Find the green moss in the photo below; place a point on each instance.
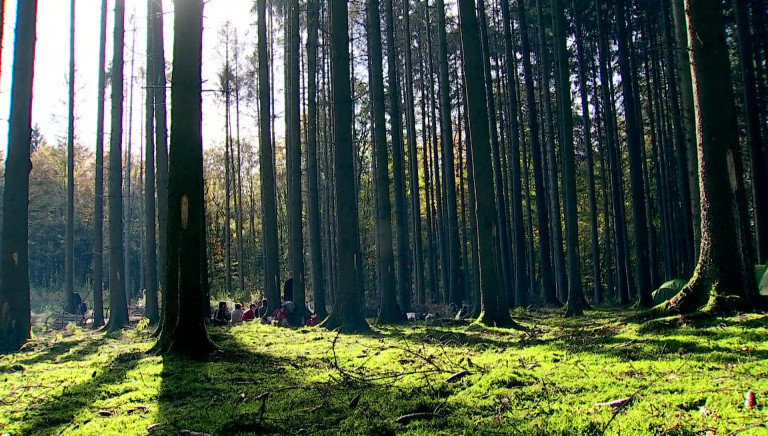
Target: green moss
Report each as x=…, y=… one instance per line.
x=545, y=380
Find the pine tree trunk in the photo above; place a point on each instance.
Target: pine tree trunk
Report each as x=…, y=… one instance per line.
x=187, y=335
x=724, y=279
x=347, y=311
x=118, y=311
x=456, y=286
x=413, y=160
x=757, y=154
x=69, y=242
x=14, y=262
x=401, y=225
x=548, y=287
x=494, y=310
x=597, y=286
x=686, y=88
x=385, y=263
x=161, y=142
x=98, y=197
x=268, y=201
x=575, y=293
x=150, y=265
x=295, y=229
x=502, y=224
x=518, y=234
x=315, y=238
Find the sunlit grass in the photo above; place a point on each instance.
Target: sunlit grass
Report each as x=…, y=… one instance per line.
x=449, y=378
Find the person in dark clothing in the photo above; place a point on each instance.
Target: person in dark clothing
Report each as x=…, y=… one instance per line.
x=262, y=311
x=221, y=316
x=288, y=289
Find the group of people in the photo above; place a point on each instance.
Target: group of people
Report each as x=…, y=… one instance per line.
x=222, y=316
x=279, y=316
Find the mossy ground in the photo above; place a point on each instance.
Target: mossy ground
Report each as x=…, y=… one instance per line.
x=683, y=378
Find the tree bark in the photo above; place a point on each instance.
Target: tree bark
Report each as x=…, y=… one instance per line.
x=347, y=311
x=385, y=263
x=150, y=266
x=69, y=241
x=98, y=196
x=494, y=310
x=266, y=157
x=724, y=279
x=118, y=311
x=315, y=239
x=14, y=261
x=187, y=335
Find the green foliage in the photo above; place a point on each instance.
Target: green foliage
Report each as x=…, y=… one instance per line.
x=682, y=378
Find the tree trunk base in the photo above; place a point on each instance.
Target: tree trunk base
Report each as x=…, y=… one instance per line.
x=487, y=319
x=334, y=322
x=183, y=346
x=571, y=312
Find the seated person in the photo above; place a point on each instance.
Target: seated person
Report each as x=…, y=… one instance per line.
x=250, y=314
x=262, y=311
x=280, y=316
x=237, y=314
x=221, y=315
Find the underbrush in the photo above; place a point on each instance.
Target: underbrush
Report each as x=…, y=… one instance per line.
x=599, y=374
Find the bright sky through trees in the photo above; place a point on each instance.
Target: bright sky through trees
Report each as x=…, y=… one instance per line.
x=49, y=108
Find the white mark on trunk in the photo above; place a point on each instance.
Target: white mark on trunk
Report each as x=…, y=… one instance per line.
x=184, y=212
x=15, y=257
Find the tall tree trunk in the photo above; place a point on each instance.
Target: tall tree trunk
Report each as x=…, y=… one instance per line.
x=347, y=311
x=315, y=249
x=563, y=82
x=98, y=197
x=401, y=225
x=417, y=261
x=385, y=263
x=456, y=286
x=161, y=140
x=293, y=155
x=494, y=310
x=118, y=311
x=187, y=334
x=686, y=88
x=634, y=143
x=597, y=286
x=550, y=134
x=757, y=155
x=150, y=266
x=266, y=157
x=619, y=224
x=69, y=244
x=518, y=234
x=548, y=288
x=681, y=143
x=15, y=323
x=501, y=210
x=127, y=210
x=724, y=279
x=227, y=79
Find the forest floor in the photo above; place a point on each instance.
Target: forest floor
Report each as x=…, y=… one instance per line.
x=562, y=376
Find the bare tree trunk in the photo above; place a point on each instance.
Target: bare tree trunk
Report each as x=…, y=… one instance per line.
x=69, y=243
x=494, y=310
x=150, y=265
x=118, y=316
x=347, y=311
x=14, y=261
x=98, y=197
x=266, y=157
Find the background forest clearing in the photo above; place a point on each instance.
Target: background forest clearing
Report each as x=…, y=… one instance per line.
x=682, y=378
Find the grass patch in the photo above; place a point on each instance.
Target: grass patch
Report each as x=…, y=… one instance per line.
x=682, y=378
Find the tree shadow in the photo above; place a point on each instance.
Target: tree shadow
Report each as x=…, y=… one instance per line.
x=48, y=417
x=242, y=391
x=66, y=351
